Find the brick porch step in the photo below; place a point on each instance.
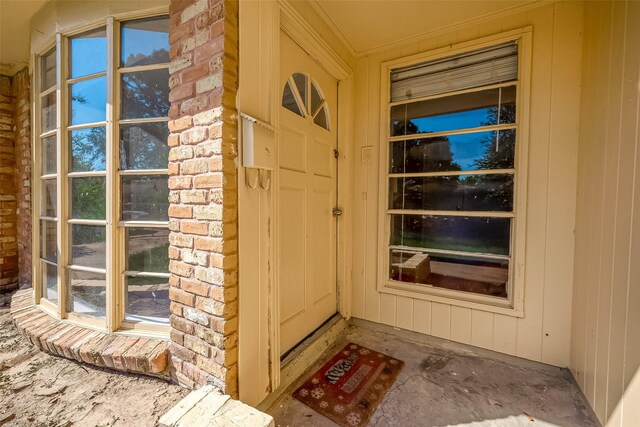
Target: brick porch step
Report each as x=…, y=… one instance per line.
x=148, y=356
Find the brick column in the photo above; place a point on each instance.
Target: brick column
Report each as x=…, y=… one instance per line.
x=203, y=197
x=8, y=245
x=22, y=118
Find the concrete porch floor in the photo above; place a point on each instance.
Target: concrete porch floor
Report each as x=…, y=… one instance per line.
x=445, y=383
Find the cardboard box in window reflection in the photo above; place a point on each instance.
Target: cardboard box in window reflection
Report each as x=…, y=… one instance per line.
x=482, y=277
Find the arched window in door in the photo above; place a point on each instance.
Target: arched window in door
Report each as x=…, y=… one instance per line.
x=303, y=97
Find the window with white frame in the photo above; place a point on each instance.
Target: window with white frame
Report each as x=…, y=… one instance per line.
x=451, y=174
x=105, y=155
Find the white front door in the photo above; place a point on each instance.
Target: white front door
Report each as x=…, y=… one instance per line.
x=307, y=178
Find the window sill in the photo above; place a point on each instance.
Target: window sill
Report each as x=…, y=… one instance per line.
x=134, y=354
x=455, y=298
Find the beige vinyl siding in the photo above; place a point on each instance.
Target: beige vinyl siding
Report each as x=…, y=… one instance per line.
x=605, y=347
x=543, y=334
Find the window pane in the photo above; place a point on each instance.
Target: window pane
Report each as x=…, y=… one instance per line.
x=88, y=149
x=144, y=146
x=49, y=155
x=461, y=273
x=289, y=100
x=481, y=150
x=48, y=70
x=88, y=248
x=145, y=41
x=49, y=282
x=316, y=98
x=483, y=108
x=453, y=193
x=147, y=249
x=87, y=293
x=147, y=299
x=321, y=119
x=453, y=233
x=88, y=198
x=48, y=118
x=49, y=199
x=89, y=101
x=48, y=241
x=301, y=84
x=88, y=53
x=145, y=198
x=145, y=94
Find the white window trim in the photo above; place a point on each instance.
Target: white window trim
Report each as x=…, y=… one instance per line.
x=514, y=304
x=114, y=321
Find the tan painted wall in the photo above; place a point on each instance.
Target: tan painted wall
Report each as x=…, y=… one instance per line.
x=544, y=332
x=605, y=339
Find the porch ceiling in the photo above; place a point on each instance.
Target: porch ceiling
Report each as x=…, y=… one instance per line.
x=14, y=33
x=369, y=25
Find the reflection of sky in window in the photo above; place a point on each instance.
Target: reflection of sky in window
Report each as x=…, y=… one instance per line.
x=136, y=42
x=468, y=148
x=460, y=120
x=89, y=101
x=88, y=56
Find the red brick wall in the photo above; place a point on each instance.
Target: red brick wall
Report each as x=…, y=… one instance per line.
x=15, y=181
x=203, y=197
x=8, y=246
x=22, y=120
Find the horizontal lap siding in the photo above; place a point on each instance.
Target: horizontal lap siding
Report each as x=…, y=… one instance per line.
x=544, y=333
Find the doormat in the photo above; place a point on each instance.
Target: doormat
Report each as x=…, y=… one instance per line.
x=350, y=386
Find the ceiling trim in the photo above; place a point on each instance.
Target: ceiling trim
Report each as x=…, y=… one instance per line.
x=532, y=4
x=327, y=19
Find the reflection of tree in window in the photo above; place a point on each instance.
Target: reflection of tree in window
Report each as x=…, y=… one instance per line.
x=499, y=152
x=88, y=149
x=429, y=154
x=144, y=146
x=145, y=93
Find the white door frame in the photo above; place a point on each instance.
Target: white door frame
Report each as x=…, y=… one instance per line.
x=294, y=25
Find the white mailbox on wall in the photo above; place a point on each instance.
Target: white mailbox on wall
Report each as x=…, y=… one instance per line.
x=258, y=143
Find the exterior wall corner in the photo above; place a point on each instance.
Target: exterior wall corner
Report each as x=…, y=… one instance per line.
x=203, y=213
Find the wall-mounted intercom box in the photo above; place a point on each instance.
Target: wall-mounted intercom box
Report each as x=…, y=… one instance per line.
x=258, y=143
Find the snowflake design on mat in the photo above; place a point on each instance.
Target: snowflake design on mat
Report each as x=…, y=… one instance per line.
x=378, y=386
x=340, y=397
x=324, y=404
x=303, y=392
x=346, y=352
x=380, y=355
x=393, y=361
x=353, y=418
x=353, y=346
x=338, y=409
x=317, y=393
x=315, y=381
x=364, y=351
x=384, y=377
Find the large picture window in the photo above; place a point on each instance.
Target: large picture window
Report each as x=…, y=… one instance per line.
x=451, y=173
x=103, y=163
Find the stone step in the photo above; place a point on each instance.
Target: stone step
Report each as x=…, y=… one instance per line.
x=208, y=407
